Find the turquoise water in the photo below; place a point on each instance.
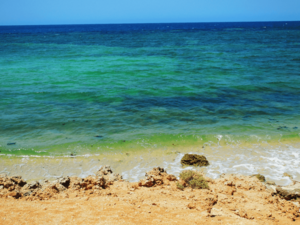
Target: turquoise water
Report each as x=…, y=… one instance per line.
x=88, y=89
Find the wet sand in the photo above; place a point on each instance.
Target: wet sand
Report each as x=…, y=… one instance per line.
x=270, y=159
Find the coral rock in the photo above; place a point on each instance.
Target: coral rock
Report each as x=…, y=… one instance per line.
x=109, y=176
x=91, y=181
x=14, y=194
x=65, y=181
x=147, y=182
x=288, y=193
x=157, y=176
x=30, y=187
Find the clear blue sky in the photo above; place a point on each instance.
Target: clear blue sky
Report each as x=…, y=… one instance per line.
x=33, y=12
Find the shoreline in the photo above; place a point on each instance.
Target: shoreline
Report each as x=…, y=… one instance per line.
x=105, y=198
x=165, y=143
x=270, y=160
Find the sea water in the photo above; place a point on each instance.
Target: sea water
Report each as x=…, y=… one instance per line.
x=135, y=96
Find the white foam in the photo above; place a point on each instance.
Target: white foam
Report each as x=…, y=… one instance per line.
x=272, y=163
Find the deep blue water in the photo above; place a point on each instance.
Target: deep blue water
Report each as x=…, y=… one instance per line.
x=187, y=27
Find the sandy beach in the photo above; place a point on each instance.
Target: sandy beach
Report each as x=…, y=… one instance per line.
x=105, y=198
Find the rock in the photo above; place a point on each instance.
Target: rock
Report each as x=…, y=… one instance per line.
x=75, y=182
x=104, y=170
x=65, y=181
x=53, y=186
x=259, y=177
x=60, y=187
x=194, y=160
x=11, y=183
x=30, y=187
x=270, y=183
x=92, y=181
x=108, y=175
x=147, y=182
x=14, y=194
x=18, y=180
x=60, y=184
x=171, y=177
x=33, y=185
x=288, y=193
x=157, y=176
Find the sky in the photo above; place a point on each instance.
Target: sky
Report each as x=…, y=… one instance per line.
x=39, y=12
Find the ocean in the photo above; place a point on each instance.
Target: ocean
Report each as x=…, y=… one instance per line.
x=136, y=96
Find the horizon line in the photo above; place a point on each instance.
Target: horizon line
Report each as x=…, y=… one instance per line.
x=74, y=24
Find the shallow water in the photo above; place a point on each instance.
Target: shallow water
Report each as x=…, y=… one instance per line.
x=111, y=89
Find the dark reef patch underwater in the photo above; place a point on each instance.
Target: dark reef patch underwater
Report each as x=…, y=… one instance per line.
x=131, y=92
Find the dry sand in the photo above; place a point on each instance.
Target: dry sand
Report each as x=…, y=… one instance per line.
x=231, y=199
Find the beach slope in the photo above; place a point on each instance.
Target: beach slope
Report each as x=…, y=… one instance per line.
x=107, y=199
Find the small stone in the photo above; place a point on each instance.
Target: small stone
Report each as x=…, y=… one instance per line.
x=147, y=182
x=270, y=183
x=14, y=194
x=60, y=187
x=191, y=206
x=216, y=212
x=229, y=183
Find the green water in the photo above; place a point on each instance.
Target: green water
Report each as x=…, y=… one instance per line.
x=146, y=90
